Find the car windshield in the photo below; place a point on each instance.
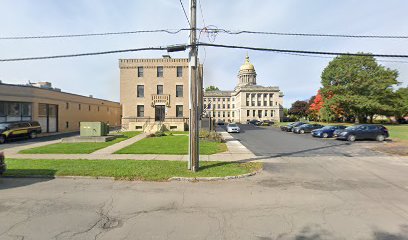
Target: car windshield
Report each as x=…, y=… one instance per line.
x=4, y=125
x=352, y=128
x=232, y=125
x=327, y=128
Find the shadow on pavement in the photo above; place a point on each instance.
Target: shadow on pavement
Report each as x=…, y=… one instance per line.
x=14, y=178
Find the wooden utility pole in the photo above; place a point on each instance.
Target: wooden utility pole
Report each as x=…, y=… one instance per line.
x=193, y=77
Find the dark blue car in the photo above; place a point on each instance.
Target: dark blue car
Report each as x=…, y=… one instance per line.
x=364, y=131
x=327, y=131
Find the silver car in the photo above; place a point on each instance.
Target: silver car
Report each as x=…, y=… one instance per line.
x=232, y=127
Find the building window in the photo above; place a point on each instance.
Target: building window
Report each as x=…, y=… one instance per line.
x=223, y=105
x=253, y=102
x=140, y=110
x=259, y=113
x=140, y=91
x=248, y=113
x=259, y=102
x=179, y=71
x=179, y=91
x=272, y=113
x=253, y=113
x=66, y=124
x=219, y=114
x=79, y=106
x=228, y=114
x=67, y=105
x=140, y=72
x=179, y=110
x=89, y=108
x=213, y=99
x=247, y=103
x=266, y=113
x=160, y=71
x=233, y=105
x=229, y=105
x=223, y=114
x=219, y=106
x=233, y=115
x=159, y=89
x=265, y=103
x=218, y=99
x=98, y=108
x=271, y=103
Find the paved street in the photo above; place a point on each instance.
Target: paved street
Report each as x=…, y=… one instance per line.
x=271, y=141
x=294, y=198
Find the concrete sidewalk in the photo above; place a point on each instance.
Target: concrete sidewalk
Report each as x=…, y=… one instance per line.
x=116, y=147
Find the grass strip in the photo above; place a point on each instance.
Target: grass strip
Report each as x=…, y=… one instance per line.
x=146, y=170
x=77, y=148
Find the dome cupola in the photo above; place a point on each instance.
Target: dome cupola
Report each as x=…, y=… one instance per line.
x=247, y=73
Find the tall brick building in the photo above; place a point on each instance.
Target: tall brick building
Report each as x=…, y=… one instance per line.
x=155, y=92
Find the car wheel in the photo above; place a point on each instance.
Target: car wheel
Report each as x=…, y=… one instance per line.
x=325, y=135
x=33, y=135
x=380, y=138
x=351, y=138
x=302, y=131
x=2, y=139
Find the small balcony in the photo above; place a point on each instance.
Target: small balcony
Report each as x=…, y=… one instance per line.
x=161, y=99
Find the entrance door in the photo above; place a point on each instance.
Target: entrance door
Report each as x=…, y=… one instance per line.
x=159, y=113
x=48, y=117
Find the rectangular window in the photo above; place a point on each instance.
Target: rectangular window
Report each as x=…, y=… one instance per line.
x=140, y=110
x=271, y=103
x=259, y=102
x=223, y=114
x=67, y=105
x=233, y=105
x=265, y=103
x=179, y=71
x=229, y=105
x=140, y=91
x=219, y=106
x=89, y=108
x=253, y=113
x=98, y=108
x=79, y=106
x=159, y=89
x=160, y=71
x=179, y=91
x=248, y=113
x=228, y=114
x=253, y=102
x=259, y=113
x=140, y=72
x=272, y=113
x=179, y=110
x=67, y=124
x=266, y=113
x=233, y=115
x=213, y=106
x=223, y=105
x=247, y=103
x=219, y=114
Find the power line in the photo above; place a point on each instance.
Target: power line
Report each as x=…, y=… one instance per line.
x=307, y=34
x=287, y=51
x=301, y=51
x=210, y=29
x=82, y=54
x=185, y=13
x=169, y=31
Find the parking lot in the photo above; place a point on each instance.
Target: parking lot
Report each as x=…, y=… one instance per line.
x=271, y=141
x=23, y=142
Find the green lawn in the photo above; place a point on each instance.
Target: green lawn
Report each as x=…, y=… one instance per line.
x=175, y=145
x=148, y=170
x=77, y=148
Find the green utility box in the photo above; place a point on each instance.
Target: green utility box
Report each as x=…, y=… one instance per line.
x=93, y=129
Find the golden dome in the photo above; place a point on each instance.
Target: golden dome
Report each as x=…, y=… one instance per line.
x=247, y=65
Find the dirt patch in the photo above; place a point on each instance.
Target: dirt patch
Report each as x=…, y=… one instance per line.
x=395, y=147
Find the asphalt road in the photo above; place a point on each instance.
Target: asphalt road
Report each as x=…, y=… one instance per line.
x=271, y=141
x=23, y=142
x=311, y=198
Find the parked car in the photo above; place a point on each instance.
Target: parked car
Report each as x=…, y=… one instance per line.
x=255, y=122
x=327, y=131
x=266, y=123
x=306, y=128
x=364, y=131
x=220, y=122
x=289, y=127
x=23, y=129
x=232, y=127
x=2, y=164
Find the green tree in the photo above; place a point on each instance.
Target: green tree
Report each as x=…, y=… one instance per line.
x=211, y=88
x=401, y=102
x=299, y=109
x=359, y=86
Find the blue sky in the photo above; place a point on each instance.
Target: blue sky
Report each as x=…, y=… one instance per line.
x=298, y=77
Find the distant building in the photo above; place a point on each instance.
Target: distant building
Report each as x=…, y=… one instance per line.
x=56, y=111
x=247, y=101
x=155, y=92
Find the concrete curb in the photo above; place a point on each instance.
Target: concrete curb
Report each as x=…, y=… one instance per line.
x=210, y=179
x=60, y=177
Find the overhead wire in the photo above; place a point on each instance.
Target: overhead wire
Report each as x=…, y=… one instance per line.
x=185, y=13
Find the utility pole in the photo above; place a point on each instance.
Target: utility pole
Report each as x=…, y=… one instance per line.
x=193, y=77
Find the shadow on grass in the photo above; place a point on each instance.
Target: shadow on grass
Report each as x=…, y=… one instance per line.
x=14, y=178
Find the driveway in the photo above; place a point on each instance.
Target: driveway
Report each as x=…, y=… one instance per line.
x=294, y=198
x=271, y=141
x=24, y=142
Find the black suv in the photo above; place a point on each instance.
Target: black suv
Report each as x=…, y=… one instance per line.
x=23, y=129
x=364, y=131
x=255, y=122
x=289, y=127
